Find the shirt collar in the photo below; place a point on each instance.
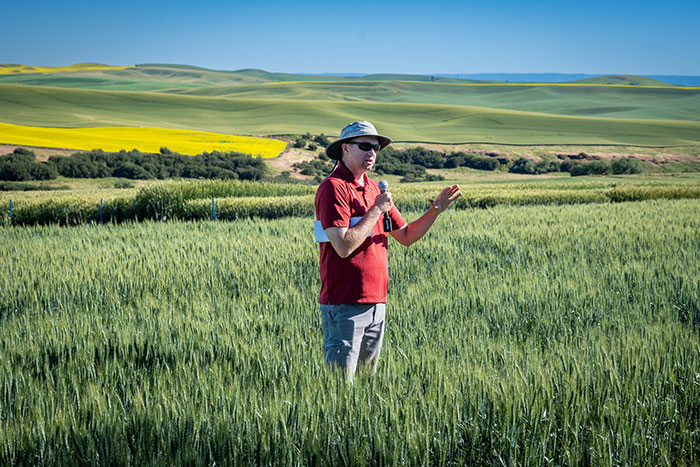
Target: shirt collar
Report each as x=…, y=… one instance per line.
x=343, y=172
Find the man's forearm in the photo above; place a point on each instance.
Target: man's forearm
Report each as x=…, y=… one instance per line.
x=347, y=240
x=415, y=230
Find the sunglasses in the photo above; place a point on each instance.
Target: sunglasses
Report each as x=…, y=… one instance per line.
x=366, y=146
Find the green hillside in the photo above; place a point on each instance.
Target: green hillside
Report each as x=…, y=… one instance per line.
x=425, y=78
x=45, y=106
x=158, y=77
x=624, y=80
x=580, y=99
x=139, y=78
x=418, y=108
x=602, y=101
x=150, y=77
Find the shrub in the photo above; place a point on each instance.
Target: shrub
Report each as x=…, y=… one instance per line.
x=322, y=140
x=626, y=165
x=453, y=161
x=485, y=163
x=523, y=166
x=132, y=171
x=567, y=165
x=121, y=184
x=24, y=152
x=590, y=168
x=22, y=165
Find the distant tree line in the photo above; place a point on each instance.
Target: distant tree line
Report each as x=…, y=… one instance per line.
x=22, y=165
x=412, y=164
x=577, y=168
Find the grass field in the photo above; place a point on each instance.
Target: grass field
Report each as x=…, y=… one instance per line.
x=558, y=99
x=531, y=335
x=148, y=77
x=43, y=106
x=408, y=107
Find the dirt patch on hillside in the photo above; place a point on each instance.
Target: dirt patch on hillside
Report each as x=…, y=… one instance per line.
x=285, y=161
x=42, y=154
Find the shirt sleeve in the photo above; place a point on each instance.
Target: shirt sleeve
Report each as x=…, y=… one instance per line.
x=332, y=205
x=397, y=221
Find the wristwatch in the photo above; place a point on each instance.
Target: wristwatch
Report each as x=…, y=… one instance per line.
x=435, y=205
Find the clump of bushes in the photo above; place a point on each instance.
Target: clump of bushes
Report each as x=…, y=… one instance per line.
x=322, y=140
x=317, y=168
x=576, y=168
x=22, y=165
x=311, y=142
x=626, y=166
x=526, y=166
x=590, y=168
x=411, y=164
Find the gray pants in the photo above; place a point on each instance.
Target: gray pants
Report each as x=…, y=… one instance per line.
x=353, y=334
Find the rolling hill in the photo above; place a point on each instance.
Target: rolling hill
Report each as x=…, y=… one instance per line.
x=623, y=80
x=45, y=106
x=410, y=107
x=574, y=100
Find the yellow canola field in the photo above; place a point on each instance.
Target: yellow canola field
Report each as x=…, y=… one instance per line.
x=144, y=139
x=16, y=69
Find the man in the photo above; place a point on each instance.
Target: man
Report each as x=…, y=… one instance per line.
x=354, y=262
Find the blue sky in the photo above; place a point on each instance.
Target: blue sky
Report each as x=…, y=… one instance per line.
x=427, y=37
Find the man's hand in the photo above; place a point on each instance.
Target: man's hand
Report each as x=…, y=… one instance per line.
x=384, y=202
x=446, y=197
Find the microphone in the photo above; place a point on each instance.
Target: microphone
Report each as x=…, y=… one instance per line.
x=383, y=187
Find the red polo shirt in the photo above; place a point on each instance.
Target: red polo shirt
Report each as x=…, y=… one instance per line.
x=363, y=276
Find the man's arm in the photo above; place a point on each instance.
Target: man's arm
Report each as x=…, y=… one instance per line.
x=346, y=240
x=413, y=232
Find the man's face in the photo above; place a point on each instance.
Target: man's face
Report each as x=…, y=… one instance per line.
x=358, y=160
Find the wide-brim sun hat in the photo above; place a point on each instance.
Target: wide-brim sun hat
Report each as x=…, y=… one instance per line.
x=352, y=131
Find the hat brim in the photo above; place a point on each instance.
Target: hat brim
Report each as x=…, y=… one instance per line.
x=335, y=149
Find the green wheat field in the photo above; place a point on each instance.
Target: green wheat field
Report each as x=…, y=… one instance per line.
x=565, y=334
x=543, y=320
